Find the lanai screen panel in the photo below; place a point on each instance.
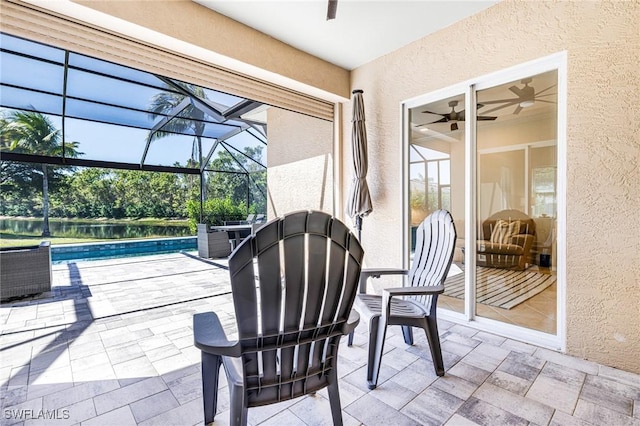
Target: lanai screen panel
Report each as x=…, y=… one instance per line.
x=118, y=114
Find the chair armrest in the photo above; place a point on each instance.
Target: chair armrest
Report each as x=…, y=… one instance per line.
x=388, y=293
x=408, y=291
x=352, y=322
x=209, y=336
x=367, y=273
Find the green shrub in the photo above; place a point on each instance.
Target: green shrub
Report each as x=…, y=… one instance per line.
x=215, y=212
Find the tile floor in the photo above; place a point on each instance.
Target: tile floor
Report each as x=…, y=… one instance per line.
x=112, y=345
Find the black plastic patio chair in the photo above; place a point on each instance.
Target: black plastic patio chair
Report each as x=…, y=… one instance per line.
x=413, y=305
x=294, y=283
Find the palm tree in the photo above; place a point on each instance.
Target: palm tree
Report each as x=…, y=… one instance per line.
x=191, y=118
x=35, y=133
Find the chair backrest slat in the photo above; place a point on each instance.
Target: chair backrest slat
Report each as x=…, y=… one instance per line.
x=435, y=244
x=291, y=306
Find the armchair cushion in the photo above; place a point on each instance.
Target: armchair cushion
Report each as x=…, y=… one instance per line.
x=503, y=231
x=494, y=248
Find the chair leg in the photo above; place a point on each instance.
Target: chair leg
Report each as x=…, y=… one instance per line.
x=334, y=398
x=377, y=334
x=407, y=333
x=350, y=339
x=431, y=331
x=210, y=374
x=238, y=407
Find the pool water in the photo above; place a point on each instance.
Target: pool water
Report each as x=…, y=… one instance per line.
x=95, y=251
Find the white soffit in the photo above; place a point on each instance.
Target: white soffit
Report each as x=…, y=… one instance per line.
x=362, y=31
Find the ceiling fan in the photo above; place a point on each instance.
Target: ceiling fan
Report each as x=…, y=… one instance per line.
x=455, y=116
x=526, y=97
x=331, y=10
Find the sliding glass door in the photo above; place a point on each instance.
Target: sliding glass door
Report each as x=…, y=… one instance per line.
x=488, y=151
x=516, y=198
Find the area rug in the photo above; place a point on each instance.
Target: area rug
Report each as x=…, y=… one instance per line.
x=500, y=287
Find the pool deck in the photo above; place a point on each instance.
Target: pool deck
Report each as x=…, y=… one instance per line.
x=112, y=344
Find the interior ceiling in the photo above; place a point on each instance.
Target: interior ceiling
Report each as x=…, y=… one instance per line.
x=362, y=31
x=502, y=102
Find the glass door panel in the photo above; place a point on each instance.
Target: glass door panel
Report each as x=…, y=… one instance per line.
x=516, y=141
x=437, y=179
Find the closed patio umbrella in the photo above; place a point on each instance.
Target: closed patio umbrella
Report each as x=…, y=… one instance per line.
x=359, y=200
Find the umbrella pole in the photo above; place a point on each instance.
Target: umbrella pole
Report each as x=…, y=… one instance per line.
x=359, y=227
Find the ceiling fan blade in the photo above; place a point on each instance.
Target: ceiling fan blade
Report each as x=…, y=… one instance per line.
x=444, y=117
x=331, y=10
x=502, y=106
x=542, y=91
x=486, y=117
x=517, y=91
x=500, y=101
x=545, y=101
x=442, y=120
x=517, y=110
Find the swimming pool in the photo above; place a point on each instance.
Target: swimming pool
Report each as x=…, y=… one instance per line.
x=94, y=251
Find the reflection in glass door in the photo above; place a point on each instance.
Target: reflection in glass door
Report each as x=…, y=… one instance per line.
x=492, y=151
x=516, y=203
x=437, y=177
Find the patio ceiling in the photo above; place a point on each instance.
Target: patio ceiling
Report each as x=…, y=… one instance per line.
x=362, y=30
x=127, y=118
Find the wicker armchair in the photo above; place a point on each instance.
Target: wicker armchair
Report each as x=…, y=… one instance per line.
x=25, y=270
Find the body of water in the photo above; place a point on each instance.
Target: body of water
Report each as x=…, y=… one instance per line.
x=92, y=229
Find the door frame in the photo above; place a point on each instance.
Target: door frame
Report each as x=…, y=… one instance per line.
x=469, y=88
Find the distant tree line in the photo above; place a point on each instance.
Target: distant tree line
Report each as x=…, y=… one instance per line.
x=118, y=194
x=97, y=193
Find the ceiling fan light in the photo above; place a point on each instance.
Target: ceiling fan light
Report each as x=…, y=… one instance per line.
x=527, y=103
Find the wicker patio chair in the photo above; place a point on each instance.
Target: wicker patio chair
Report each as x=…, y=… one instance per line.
x=25, y=270
x=293, y=284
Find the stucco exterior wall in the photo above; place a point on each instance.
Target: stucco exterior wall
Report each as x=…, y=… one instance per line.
x=299, y=163
x=602, y=40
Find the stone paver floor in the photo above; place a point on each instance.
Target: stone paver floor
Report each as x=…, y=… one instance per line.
x=112, y=344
